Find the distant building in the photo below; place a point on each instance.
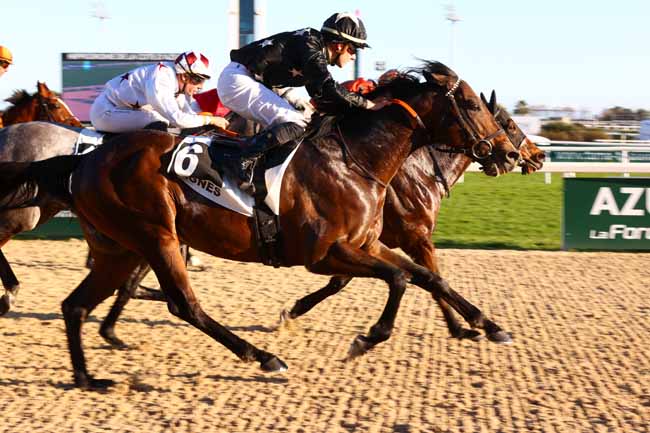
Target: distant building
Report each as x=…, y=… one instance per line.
x=644, y=130
x=246, y=22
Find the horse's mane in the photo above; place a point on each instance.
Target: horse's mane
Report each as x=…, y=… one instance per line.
x=18, y=97
x=405, y=84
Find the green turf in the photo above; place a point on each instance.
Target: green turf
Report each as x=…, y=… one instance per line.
x=508, y=212
x=511, y=211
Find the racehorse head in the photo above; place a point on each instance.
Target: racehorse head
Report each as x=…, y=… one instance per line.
x=532, y=157
x=43, y=105
x=460, y=124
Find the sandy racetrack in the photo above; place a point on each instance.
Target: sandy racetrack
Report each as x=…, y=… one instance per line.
x=580, y=361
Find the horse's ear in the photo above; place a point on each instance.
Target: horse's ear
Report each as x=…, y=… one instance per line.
x=485, y=101
x=42, y=88
x=493, y=101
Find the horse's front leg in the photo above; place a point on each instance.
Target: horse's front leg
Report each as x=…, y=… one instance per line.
x=440, y=289
x=344, y=258
x=423, y=252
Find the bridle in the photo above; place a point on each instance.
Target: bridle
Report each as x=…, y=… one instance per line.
x=469, y=130
x=417, y=123
x=45, y=109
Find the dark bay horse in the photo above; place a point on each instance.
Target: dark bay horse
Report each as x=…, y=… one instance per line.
x=331, y=209
x=43, y=105
x=410, y=213
x=413, y=201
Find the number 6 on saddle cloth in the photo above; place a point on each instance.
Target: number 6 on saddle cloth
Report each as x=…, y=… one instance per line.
x=208, y=165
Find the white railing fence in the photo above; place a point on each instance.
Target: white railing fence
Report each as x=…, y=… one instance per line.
x=593, y=157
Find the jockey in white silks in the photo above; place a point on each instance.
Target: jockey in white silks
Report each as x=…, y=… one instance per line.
x=155, y=97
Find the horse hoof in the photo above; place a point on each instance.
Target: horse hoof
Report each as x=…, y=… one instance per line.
x=286, y=321
x=469, y=334
x=116, y=343
x=195, y=261
x=6, y=301
x=274, y=365
x=89, y=383
x=500, y=337
x=359, y=347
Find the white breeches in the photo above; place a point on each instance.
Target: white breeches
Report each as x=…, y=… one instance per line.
x=241, y=93
x=106, y=116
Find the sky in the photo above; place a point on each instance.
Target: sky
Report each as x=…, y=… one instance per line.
x=589, y=55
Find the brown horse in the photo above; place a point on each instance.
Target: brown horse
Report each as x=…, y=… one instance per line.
x=411, y=210
x=43, y=105
x=330, y=211
x=410, y=214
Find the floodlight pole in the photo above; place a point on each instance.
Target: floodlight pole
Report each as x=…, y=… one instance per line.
x=453, y=18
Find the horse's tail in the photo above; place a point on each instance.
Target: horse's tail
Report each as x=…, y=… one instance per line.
x=20, y=182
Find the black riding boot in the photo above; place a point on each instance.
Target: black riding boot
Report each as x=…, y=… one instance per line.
x=258, y=145
x=157, y=126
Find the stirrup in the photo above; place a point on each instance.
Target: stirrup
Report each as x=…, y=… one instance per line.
x=246, y=174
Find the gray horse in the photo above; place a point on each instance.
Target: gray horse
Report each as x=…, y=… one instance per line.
x=30, y=141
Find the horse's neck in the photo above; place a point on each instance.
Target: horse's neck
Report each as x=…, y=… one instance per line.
x=451, y=165
x=19, y=114
x=382, y=150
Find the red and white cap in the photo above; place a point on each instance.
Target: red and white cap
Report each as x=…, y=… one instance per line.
x=193, y=63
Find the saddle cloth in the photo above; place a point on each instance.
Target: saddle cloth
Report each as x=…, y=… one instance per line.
x=87, y=141
x=192, y=163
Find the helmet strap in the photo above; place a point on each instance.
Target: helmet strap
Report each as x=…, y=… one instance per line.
x=183, y=86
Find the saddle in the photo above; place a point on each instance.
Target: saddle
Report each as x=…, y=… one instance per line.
x=209, y=161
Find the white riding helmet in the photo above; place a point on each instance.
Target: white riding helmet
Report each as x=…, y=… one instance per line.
x=193, y=63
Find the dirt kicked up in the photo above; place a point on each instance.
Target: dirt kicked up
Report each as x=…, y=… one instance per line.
x=580, y=361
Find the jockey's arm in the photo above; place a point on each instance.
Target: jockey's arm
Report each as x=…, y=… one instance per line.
x=161, y=95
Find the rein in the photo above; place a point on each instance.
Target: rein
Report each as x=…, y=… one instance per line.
x=346, y=149
x=413, y=116
x=411, y=112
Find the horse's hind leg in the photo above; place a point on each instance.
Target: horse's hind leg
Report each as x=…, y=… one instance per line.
x=422, y=251
x=439, y=289
x=303, y=305
x=109, y=271
x=167, y=262
x=124, y=294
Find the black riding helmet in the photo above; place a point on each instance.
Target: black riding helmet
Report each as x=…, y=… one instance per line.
x=345, y=28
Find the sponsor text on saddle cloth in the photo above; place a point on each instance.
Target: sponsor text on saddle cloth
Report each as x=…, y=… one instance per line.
x=192, y=163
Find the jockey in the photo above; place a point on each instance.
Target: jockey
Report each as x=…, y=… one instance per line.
x=6, y=59
x=154, y=97
x=290, y=59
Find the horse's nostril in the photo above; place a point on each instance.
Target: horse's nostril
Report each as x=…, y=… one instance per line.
x=514, y=156
x=540, y=157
